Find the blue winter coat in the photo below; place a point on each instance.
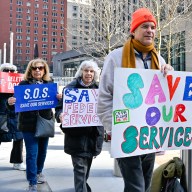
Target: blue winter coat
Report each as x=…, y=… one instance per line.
x=12, y=120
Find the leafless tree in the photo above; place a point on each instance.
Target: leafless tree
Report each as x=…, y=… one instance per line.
x=109, y=23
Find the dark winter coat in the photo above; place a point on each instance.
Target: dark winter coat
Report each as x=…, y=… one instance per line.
x=28, y=119
x=12, y=120
x=81, y=141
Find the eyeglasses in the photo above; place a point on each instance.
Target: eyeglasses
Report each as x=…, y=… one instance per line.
x=40, y=68
x=9, y=70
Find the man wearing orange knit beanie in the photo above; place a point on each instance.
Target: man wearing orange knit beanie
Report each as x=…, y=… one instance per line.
x=137, y=52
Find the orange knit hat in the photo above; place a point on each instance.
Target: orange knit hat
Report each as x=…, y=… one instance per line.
x=140, y=16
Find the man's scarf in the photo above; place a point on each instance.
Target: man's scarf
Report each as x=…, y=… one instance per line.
x=128, y=57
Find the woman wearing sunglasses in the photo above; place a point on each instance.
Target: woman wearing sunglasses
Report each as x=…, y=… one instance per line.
x=12, y=133
x=37, y=72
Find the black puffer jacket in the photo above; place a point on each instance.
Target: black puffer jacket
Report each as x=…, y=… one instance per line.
x=12, y=119
x=28, y=119
x=81, y=141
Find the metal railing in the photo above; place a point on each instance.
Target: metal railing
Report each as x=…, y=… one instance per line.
x=62, y=81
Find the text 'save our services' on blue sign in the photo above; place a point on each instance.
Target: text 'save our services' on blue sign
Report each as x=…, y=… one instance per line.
x=35, y=97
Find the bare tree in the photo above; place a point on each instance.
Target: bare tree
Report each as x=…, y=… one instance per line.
x=172, y=32
x=109, y=23
x=107, y=26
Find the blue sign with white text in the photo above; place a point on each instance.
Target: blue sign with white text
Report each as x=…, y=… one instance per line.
x=35, y=97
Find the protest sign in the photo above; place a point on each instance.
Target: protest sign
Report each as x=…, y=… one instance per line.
x=8, y=81
x=151, y=112
x=80, y=108
x=35, y=97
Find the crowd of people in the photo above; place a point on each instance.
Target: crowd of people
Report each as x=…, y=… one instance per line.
x=84, y=143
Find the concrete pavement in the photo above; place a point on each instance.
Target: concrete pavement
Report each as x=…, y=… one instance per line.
x=59, y=171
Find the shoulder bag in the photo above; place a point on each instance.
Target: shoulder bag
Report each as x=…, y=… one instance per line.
x=3, y=124
x=45, y=127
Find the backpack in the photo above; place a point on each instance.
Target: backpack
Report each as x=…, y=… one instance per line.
x=172, y=185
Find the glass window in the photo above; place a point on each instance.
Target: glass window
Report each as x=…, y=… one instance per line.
x=45, y=6
x=18, y=23
x=18, y=44
x=27, y=44
x=18, y=37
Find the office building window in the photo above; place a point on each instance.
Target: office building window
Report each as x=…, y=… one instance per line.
x=44, y=45
x=54, y=33
x=45, y=26
x=44, y=19
x=28, y=17
x=19, y=3
x=35, y=25
x=54, y=26
x=44, y=52
x=18, y=23
x=18, y=37
x=54, y=20
x=45, y=6
x=27, y=44
x=44, y=39
x=54, y=46
x=18, y=44
x=54, y=8
x=45, y=13
x=45, y=33
x=19, y=30
x=54, y=39
x=28, y=31
x=19, y=9
x=35, y=18
x=54, y=14
x=36, y=5
x=19, y=58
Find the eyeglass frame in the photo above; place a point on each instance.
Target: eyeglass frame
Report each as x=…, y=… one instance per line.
x=39, y=67
x=8, y=70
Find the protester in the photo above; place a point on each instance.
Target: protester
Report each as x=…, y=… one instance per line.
x=82, y=143
x=138, y=52
x=37, y=72
x=13, y=133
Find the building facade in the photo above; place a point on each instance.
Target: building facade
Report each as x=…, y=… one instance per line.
x=79, y=24
x=40, y=23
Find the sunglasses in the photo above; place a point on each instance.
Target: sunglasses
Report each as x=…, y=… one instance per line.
x=9, y=70
x=40, y=68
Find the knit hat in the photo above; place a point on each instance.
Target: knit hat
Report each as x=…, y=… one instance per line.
x=140, y=16
x=7, y=66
